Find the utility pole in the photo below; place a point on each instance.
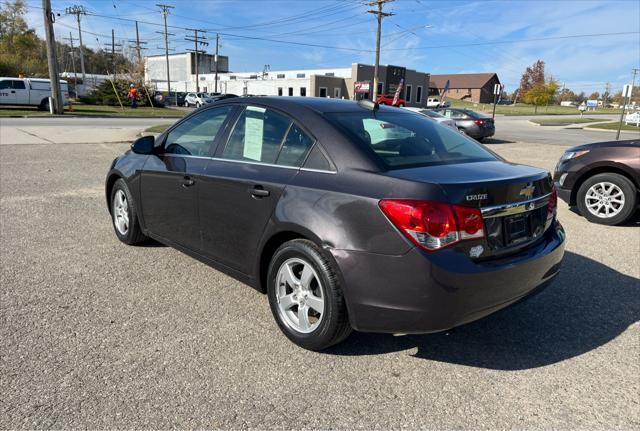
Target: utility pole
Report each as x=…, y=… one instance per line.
x=113, y=52
x=49, y=18
x=215, y=79
x=197, y=51
x=607, y=88
x=165, y=11
x=139, y=48
x=379, y=14
x=77, y=11
x=73, y=58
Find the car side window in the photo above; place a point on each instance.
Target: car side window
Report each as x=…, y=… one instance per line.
x=257, y=135
x=5, y=84
x=195, y=136
x=295, y=148
x=317, y=160
x=18, y=85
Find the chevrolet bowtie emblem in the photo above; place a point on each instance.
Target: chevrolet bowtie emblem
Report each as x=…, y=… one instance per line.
x=527, y=191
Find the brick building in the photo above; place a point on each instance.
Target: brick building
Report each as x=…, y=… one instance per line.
x=474, y=87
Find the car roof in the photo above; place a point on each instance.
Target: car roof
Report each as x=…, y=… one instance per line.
x=320, y=105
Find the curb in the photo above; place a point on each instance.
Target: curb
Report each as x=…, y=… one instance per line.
x=593, y=129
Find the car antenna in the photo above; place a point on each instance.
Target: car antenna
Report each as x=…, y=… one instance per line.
x=368, y=104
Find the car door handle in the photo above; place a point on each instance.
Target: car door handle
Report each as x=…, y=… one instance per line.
x=187, y=182
x=13, y=91
x=259, y=192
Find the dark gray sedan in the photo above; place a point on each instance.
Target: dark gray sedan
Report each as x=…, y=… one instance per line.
x=348, y=215
x=469, y=122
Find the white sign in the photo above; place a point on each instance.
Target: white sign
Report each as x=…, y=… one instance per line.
x=253, y=132
x=497, y=89
x=626, y=91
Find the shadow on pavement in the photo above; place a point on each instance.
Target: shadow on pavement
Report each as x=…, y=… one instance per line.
x=587, y=305
x=496, y=141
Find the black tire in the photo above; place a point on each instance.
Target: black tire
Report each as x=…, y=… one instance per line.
x=198, y=104
x=623, y=183
x=480, y=139
x=334, y=326
x=461, y=130
x=133, y=234
x=44, y=105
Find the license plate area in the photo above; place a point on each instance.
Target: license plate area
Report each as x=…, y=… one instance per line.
x=517, y=229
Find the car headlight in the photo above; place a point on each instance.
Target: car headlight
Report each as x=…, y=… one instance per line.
x=572, y=155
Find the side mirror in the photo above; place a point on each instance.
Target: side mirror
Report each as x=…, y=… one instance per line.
x=143, y=145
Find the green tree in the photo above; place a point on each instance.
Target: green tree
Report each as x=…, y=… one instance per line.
x=541, y=94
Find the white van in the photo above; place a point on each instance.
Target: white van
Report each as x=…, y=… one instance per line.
x=434, y=102
x=29, y=91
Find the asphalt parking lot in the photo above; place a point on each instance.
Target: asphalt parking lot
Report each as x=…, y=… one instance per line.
x=95, y=334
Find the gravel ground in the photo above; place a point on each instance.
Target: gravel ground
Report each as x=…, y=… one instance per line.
x=95, y=334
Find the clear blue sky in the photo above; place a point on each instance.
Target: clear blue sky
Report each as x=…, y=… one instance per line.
x=463, y=36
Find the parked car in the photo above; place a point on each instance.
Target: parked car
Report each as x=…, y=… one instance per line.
x=601, y=179
x=469, y=122
x=435, y=116
x=414, y=233
x=29, y=92
x=434, y=102
x=170, y=99
x=197, y=99
x=387, y=99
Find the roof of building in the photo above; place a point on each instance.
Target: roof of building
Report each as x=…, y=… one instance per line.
x=462, y=80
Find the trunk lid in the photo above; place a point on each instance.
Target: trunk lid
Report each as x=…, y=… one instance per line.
x=513, y=199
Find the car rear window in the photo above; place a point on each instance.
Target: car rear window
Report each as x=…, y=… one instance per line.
x=402, y=140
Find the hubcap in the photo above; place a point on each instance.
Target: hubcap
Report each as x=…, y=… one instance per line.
x=604, y=200
x=300, y=295
x=121, y=212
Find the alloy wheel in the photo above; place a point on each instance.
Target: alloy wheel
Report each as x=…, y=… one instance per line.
x=121, y=212
x=300, y=295
x=604, y=199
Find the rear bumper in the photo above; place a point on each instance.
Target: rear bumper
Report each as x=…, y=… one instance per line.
x=422, y=292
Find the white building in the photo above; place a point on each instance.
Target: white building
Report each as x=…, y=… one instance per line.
x=326, y=82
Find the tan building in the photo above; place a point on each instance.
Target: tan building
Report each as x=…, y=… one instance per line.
x=474, y=87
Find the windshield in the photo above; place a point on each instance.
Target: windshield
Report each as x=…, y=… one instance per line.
x=402, y=140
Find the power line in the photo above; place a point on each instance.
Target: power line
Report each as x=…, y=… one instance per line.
x=78, y=10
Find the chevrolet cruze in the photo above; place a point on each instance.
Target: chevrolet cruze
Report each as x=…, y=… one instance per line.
x=348, y=215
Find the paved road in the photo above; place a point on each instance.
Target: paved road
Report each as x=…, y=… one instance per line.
x=518, y=129
x=96, y=334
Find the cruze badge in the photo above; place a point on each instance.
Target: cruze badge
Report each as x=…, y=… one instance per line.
x=479, y=197
x=527, y=191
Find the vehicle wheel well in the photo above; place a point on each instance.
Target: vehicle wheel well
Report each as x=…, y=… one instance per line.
x=595, y=171
x=110, y=182
x=268, y=251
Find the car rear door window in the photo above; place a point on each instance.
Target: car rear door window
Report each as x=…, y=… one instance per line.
x=195, y=135
x=258, y=136
x=295, y=148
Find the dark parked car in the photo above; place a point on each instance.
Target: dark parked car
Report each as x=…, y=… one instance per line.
x=345, y=215
x=469, y=122
x=601, y=179
x=162, y=99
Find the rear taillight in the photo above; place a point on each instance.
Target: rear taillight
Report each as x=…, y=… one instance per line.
x=433, y=225
x=479, y=122
x=552, y=206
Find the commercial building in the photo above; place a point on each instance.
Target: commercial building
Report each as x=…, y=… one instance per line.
x=182, y=68
x=474, y=87
x=353, y=82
